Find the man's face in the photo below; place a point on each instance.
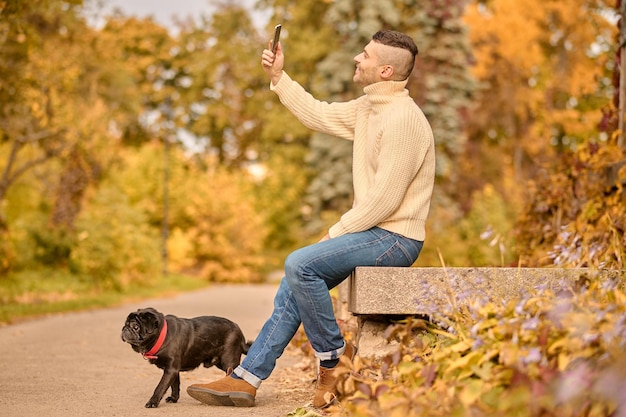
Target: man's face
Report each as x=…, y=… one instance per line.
x=367, y=66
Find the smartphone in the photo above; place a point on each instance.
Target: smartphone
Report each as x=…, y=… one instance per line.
x=276, y=37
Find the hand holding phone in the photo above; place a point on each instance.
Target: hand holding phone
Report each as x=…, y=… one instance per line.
x=270, y=62
x=276, y=37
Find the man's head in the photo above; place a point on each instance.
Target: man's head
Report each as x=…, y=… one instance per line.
x=389, y=56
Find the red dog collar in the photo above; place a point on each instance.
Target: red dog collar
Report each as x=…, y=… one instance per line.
x=151, y=354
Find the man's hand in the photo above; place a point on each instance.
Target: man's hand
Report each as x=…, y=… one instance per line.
x=326, y=237
x=273, y=63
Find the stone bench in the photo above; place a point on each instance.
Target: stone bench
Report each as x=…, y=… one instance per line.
x=374, y=295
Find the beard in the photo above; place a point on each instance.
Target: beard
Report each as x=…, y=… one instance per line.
x=365, y=77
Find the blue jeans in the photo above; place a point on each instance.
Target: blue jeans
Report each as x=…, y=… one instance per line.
x=303, y=295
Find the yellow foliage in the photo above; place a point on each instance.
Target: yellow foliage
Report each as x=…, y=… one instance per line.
x=551, y=354
x=536, y=62
x=180, y=250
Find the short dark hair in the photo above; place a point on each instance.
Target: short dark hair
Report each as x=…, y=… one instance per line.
x=399, y=40
x=396, y=39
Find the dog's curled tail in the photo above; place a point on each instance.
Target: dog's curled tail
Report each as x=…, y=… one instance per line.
x=246, y=346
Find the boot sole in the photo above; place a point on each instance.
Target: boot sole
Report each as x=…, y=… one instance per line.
x=211, y=397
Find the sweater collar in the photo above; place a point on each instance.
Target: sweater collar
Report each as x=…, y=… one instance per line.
x=384, y=92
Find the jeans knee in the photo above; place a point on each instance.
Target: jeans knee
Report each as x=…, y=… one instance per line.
x=298, y=269
x=292, y=269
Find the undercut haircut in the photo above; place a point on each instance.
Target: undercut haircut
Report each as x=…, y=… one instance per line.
x=399, y=40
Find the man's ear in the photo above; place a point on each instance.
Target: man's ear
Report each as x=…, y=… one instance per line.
x=386, y=72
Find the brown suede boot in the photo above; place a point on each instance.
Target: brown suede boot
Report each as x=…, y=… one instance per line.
x=326, y=390
x=226, y=391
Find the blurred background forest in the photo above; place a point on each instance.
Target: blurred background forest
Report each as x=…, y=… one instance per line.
x=128, y=153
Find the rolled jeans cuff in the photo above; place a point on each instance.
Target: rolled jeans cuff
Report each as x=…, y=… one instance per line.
x=248, y=377
x=333, y=354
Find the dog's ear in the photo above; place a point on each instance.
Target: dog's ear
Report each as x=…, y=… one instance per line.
x=155, y=324
x=150, y=319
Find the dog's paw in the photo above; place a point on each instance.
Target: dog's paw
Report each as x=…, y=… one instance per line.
x=171, y=400
x=151, y=404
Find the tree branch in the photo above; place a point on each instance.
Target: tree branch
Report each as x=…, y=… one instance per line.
x=9, y=177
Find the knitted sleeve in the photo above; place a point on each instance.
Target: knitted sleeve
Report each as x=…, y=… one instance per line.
x=336, y=119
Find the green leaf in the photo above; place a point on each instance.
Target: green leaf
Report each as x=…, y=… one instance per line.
x=471, y=392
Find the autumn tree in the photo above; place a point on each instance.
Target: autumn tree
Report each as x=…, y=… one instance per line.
x=542, y=74
x=70, y=98
x=574, y=209
x=545, y=78
x=220, y=83
x=39, y=66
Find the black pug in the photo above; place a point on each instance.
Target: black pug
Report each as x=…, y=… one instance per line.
x=178, y=344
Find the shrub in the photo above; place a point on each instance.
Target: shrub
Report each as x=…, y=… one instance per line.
x=220, y=237
x=214, y=231
x=543, y=354
x=462, y=236
x=574, y=215
x=115, y=245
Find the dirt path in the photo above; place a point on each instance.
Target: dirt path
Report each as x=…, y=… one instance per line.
x=76, y=364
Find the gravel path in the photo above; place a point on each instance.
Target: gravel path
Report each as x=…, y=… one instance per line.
x=77, y=365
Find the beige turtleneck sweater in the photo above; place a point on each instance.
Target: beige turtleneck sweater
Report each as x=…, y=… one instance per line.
x=393, y=153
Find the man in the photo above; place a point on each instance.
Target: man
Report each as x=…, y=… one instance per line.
x=393, y=175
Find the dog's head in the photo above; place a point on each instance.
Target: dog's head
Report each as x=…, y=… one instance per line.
x=142, y=328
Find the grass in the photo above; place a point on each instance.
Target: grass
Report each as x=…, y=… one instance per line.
x=31, y=294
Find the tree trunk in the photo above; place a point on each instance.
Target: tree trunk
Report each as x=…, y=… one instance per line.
x=72, y=186
x=622, y=80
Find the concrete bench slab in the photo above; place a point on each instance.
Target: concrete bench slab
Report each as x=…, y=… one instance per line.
x=405, y=291
x=375, y=293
